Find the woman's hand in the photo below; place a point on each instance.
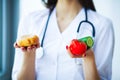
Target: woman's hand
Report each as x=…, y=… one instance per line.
x=27, y=71
x=89, y=66
x=90, y=72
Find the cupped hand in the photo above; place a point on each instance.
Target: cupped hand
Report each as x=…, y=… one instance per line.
x=88, y=54
x=29, y=49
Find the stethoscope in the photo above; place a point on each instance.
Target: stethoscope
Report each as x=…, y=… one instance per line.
x=78, y=30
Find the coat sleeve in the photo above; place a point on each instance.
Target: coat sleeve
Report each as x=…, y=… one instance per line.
x=22, y=30
x=103, y=49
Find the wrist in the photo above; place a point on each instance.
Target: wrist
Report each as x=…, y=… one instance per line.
x=29, y=57
x=29, y=54
x=89, y=59
x=89, y=56
x=89, y=68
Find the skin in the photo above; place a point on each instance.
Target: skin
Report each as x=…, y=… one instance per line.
x=71, y=7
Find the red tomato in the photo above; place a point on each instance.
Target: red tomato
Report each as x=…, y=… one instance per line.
x=77, y=48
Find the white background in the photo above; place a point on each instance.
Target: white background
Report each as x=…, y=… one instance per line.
x=108, y=8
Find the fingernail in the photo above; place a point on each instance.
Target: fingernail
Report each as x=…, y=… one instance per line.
x=29, y=47
x=34, y=46
x=38, y=46
x=84, y=55
x=23, y=48
x=67, y=47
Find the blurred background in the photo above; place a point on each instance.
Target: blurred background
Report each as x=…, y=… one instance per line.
x=11, y=11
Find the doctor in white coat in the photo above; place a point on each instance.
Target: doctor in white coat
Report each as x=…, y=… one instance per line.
x=54, y=62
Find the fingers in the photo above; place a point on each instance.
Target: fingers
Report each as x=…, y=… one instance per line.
x=17, y=46
x=84, y=55
x=38, y=45
x=29, y=49
x=89, y=53
x=23, y=49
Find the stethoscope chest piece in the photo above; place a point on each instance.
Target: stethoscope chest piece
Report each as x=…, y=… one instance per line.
x=39, y=53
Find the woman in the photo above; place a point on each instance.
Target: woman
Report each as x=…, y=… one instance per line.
x=57, y=63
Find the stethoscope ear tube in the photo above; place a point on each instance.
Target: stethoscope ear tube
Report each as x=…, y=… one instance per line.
x=93, y=28
x=45, y=28
x=86, y=21
x=40, y=51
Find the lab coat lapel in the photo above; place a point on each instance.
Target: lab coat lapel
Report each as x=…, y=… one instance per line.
x=52, y=29
x=71, y=32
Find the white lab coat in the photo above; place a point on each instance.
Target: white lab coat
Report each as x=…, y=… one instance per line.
x=55, y=63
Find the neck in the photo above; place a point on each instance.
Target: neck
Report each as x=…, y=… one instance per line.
x=67, y=8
